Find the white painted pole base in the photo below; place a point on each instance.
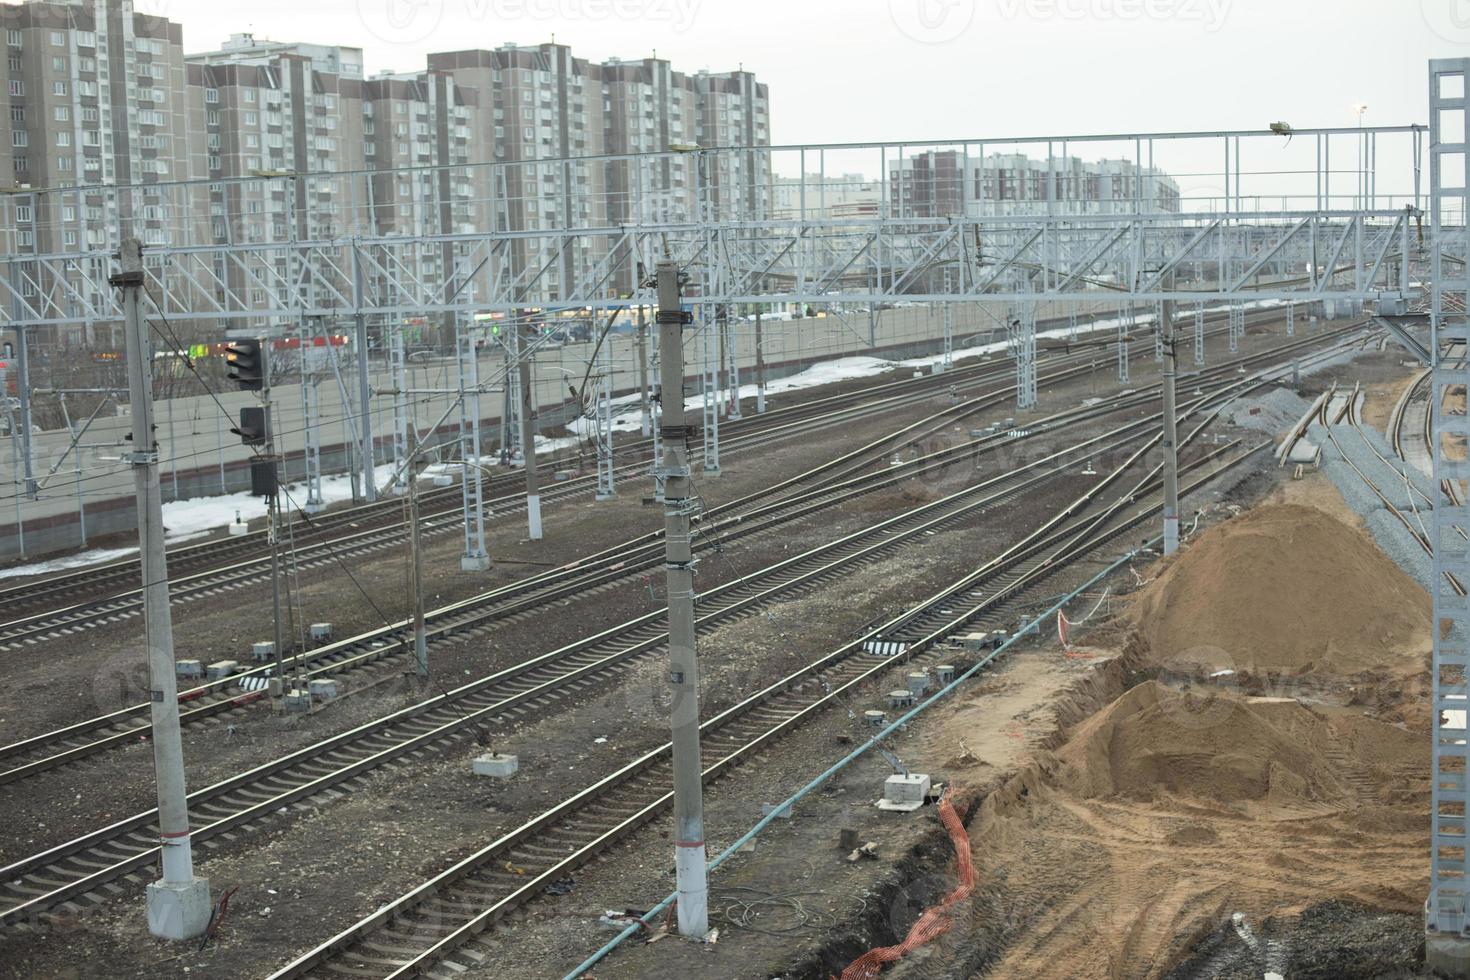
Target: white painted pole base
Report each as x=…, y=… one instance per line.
x=533, y=516
x=178, y=910
x=474, y=563
x=1171, y=535
x=693, y=890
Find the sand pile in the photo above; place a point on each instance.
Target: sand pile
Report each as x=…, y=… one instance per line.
x=1284, y=589
x=1227, y=749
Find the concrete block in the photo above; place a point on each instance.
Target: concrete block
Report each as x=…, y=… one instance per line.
x=238, y=529
x=297, y=699
x=901, y=699
x=189, y=669
x=904, y=793
x=918, y=682
x=998, y=638
x=444, y=480
x=944, y=673
x=223, y=668
x=875, y=718
x=264, y=651
x=322, y=688
x=562, y=476
x=975, y=641
x=496, y=764
x=178, y=911
x=321, y=632
x=474, y=563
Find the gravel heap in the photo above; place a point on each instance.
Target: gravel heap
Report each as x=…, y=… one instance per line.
x=1353, y=445
x=1273, y=411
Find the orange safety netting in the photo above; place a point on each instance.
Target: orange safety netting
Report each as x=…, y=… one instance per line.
x=936, y=920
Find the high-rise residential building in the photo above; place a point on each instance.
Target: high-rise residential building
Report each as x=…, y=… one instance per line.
x=94, y=96
x=282, y=141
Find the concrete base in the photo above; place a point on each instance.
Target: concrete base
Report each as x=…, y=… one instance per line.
x=238, y=529
x=604, y=496
x=178, y=911
x=904, y=793
x=313, y=507
x=474, y=563
x=1447, y=954
x=711, y=471
x=495, y=764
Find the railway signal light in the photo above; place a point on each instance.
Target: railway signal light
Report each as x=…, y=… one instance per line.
x=245, y=360
x=254, y=421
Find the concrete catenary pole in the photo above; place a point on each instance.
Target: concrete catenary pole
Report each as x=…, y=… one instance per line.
x=689, y=852
x=178, y=904
x=524, y=338
x=1170, y=441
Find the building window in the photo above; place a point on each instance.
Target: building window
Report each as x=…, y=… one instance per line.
x=87, y=88
x=86, y=39
x=250, y=95
x=211, y=95
x=58, y=63
x=58, y=88
x=58, y=38
x=12, y=38
x=15, y=63
x=89, y=113
x=27, y=239
x=21, y=165
x=63, y=163
x=68, y=212
x=69, y=237
x=252, y=119
x=19, y=137
x=63, y=138
x=63, y=113
x=24, y=214
x=17, y=113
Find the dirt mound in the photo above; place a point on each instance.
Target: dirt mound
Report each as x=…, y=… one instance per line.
x=1156, y=740
x=1284, y=589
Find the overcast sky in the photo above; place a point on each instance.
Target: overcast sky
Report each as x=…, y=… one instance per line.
x=868, y=70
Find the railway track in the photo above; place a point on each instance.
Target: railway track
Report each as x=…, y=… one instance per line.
x=59, y=605
x=385, y=648
x=31, y=887
x=431, y=930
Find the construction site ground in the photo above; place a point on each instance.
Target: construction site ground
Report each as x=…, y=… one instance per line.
x=792, y=905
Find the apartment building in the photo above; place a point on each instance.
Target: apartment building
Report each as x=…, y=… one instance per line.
x=935, y=183
x=100, y=95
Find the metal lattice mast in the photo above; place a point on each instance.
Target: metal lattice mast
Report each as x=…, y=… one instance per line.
x=1159, y=331
x=1199, y=335
x=1447, y=909
x=732, y=369
x=311, y=429
x=398, y=358
x=1026, y=358
x=1072, y=323
x=1291, y=319
x=510, y=440
x=1236, y=326
x=1125, y=324
x=710, y=284
x=948, y=312
x=607, y=488
x=475, y=557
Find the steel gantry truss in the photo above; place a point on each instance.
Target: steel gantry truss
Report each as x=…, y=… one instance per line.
x=1447, y=910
